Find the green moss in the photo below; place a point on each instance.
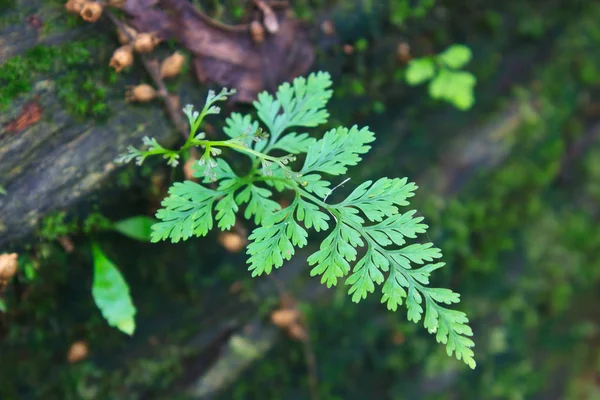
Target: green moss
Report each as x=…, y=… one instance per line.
x=82, y=73
x=56, y=225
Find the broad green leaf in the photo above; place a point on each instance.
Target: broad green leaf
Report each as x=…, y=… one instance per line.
x=138, y=228
x=2, y=306
x=420, y=70
x=456, y=56
x=111, y=293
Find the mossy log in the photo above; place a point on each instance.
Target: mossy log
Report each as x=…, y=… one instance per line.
x=50, y=155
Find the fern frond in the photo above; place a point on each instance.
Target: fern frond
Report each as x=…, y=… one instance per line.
x=275, y=242
x=188, y=211
x=369, y=218
x=368, y=243
x=301, y=104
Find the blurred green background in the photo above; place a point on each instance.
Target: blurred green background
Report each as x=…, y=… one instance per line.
x=510, y=189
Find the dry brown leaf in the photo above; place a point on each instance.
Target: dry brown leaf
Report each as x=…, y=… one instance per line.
x=228, y=55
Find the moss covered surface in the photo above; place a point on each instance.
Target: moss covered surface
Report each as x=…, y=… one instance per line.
x=77, y=68
x=520, y=241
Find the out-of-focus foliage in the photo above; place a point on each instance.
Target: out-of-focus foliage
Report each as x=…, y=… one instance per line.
x=446, y=82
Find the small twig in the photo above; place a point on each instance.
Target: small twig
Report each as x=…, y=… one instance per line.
x=152, y=67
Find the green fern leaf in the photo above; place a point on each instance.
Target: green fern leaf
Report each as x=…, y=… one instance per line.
x=303, y=104
x=238, y=126
x=369, y=218
x=338, y=149
x=317, y=185
x=188, y=211
x=259, y=203
x=368, y=243
x=274, y=243
x=378, y=199
x=295, y=143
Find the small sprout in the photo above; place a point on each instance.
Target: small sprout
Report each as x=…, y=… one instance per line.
x=126, y=34
x=141, y=93
x=172, y=65
x=74, y=6
x=122, y=58
x=257, y=32
x=145, y=42
x=8, y=266
x=215, y=151
x=91, y=12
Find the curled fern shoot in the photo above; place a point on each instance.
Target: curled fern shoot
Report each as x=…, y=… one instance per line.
x=372, y=242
